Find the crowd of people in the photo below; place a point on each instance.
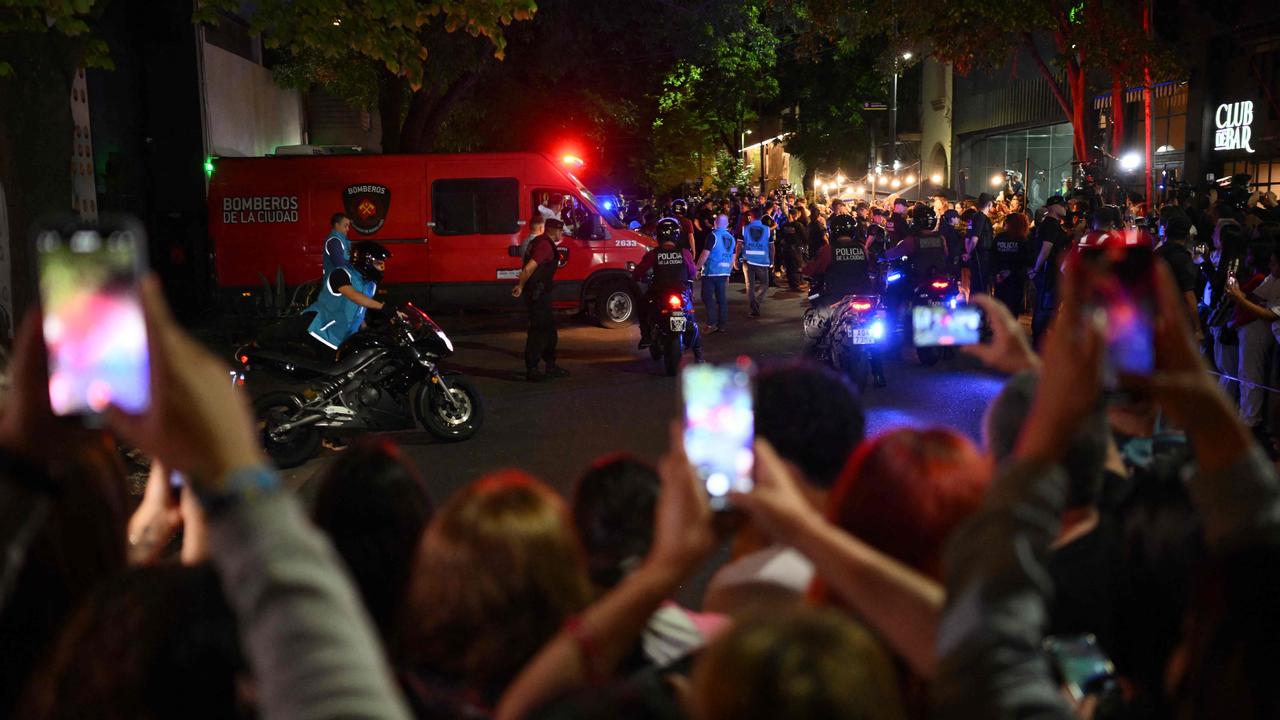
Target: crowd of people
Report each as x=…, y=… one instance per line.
x=912, y=574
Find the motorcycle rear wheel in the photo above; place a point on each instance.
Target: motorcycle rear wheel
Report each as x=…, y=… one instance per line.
x=450, y=423
x=298, y=445
x=671, y=352
x=854, y=366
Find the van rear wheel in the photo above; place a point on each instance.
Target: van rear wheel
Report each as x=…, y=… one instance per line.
x=615, y=306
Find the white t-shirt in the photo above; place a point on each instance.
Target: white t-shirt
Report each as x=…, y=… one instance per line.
x=548, y=214
x=776, y=565
x=1269, y=293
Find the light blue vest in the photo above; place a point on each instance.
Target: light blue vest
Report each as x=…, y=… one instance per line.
x=755, y=244
x=331, y=260
x=337, y=318
x=720, y=259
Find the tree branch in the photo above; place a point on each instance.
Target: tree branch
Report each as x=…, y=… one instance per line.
x=432, y=118
x=1047, y=74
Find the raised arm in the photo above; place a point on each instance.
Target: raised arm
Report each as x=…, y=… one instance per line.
x=313, y=651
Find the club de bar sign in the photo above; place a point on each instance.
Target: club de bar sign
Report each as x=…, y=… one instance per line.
x=1235, y=126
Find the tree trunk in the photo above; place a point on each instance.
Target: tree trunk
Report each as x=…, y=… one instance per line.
x=1117, y=116
x=1079, y=101
x=411, y=131
x=390, y=108
x=441, y=107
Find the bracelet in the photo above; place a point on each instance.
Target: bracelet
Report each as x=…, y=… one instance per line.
x=246, y=483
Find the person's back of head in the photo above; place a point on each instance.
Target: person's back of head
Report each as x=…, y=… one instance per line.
x=157, y=642
x=498, y=573
x=1016, y=226
x=613, y=506
x=903, y=493
x=812, y=417
x=1086, y=455
x=802, y=664
x=373, y=505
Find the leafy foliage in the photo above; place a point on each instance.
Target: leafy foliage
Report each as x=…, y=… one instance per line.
x=66, y=18
x=732, y=172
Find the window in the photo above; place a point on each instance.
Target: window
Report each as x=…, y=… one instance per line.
x=1169, y=121
x=1264, y=175
x=489, y=206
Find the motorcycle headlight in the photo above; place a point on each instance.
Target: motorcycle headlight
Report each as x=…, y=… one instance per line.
x=445, y=339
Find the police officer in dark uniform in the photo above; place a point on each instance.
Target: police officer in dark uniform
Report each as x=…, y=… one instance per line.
x=844, y=268
x=535, y=284
x=923, y=246
x=899, y=226
x=673, y=272
x=877, y=233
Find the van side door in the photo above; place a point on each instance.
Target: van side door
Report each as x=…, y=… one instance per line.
x=472, y=223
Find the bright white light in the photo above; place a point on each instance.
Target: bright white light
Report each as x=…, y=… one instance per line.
x=840, y=179
x=906, y=55
x=877, y=330
x=1130, y=161
x=911, y=180
x=823, y=187
x=879, y=178
x=997, y=180
x=895, y=184
x=858, y=190
x=936, y=178
x=897, y=165
x=337, y=23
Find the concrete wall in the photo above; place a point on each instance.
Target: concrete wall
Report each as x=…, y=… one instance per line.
x=249, y=115
x=935, y=120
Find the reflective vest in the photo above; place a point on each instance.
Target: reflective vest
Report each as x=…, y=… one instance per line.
x=847, y=273
x=669, y=271
x=755, y=244
x=337, y=318
x=337, y=254
x=720, y=259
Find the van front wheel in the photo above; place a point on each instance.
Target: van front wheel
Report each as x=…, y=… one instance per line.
x=615, y=306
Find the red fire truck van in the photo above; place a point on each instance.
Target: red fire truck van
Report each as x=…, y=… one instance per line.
x=455, y=225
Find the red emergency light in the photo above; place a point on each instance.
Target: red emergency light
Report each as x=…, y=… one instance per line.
x=861, y=305
x=940, y=285
x=572, y=161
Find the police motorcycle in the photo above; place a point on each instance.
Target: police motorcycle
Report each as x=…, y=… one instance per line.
x=918, y=282
x=672, y=324
x=846, y=334
x=383, y=378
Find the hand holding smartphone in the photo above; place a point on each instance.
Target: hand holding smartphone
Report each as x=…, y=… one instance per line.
x=94, y=329
x=719, y=421
x=940, y=326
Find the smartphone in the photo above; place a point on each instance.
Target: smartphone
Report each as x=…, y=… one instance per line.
x=1125, y=294
x=94, y=329
x=943, y=326
x=1081, y=666
x=719, y=427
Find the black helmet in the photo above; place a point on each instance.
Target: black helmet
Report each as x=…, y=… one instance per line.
x=923, y=217
x=668, y=230
x=364, y=255
x=841, y=226
x=679, y=206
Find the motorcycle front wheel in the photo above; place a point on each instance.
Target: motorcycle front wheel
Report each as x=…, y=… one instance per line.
x=294, y=447
x=455, y=421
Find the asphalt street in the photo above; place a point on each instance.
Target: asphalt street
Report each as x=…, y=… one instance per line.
x=618, y=400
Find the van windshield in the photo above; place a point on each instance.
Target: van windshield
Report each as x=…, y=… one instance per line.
x=595, y=204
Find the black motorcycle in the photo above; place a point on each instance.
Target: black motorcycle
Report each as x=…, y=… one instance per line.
x=934, y=289
x=382, y=380
x=845, y=333
x=670, y=324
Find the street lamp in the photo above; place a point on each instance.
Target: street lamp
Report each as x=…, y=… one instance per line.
x=895, y=184
x=742, y=141
x=936, y=178
x=910, y=180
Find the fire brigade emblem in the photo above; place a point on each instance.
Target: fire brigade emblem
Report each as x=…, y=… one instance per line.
x=367, y=206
